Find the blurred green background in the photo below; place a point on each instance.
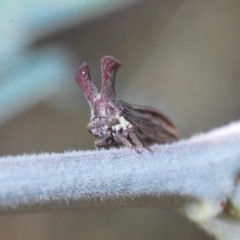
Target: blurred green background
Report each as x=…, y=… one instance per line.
x=181, y=57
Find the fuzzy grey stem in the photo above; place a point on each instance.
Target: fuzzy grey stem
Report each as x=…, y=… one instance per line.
x=202, y=169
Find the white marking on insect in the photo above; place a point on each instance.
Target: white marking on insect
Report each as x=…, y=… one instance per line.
x=124, y=124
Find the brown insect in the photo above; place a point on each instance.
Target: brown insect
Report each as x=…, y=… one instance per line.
x=116, y=122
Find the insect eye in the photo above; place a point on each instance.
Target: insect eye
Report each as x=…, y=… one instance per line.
x=112, y=121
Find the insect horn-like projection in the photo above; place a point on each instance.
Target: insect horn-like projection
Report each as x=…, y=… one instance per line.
x=109, y=67
x=118, y=123
x=88, y=87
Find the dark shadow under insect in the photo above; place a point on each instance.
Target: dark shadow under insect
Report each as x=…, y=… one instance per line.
x=116, y=122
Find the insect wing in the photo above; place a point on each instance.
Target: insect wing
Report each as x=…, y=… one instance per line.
x=153, y=126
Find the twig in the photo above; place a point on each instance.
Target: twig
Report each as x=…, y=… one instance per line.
x=198, y=177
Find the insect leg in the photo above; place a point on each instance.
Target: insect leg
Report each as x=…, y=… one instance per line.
x=135, y=139
x=102, y=143
x=123, y=140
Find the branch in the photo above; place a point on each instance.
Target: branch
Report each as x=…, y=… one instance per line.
x=198, y=177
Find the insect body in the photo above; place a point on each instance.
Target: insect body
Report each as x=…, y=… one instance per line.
x=118, y=123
